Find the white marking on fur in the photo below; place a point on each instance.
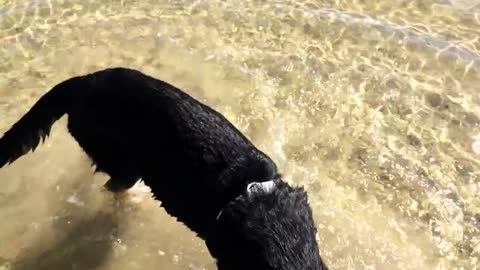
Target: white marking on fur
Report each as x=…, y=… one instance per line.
x=254, y=187
x=267, y=187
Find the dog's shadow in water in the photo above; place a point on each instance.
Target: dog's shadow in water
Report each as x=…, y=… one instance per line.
x=82, y=238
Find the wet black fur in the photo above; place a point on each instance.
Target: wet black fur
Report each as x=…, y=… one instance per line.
x=195, y=161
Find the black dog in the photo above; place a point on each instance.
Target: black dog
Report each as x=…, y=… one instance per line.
x=206, y=173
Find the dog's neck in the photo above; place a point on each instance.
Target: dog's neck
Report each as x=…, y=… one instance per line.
x=253, y=188
x=268, y=227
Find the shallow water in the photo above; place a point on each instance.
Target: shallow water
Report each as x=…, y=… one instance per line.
x=374, y=106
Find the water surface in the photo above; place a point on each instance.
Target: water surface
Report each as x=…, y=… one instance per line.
x=374, y=106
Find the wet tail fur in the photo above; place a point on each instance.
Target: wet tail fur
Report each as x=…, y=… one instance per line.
x=35, y=125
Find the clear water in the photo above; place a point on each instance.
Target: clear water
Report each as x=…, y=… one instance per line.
x=374, y=106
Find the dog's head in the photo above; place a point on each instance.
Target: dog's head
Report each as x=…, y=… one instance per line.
x=269, y=227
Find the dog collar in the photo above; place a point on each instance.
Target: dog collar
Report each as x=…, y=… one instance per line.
x=253, y=188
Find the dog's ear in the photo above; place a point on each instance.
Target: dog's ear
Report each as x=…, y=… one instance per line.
x=229, y=246
x=273, y=227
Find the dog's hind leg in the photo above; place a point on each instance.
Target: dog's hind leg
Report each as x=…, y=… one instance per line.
x=118, y=184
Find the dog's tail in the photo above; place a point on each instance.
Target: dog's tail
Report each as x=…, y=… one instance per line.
x=25, y=135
